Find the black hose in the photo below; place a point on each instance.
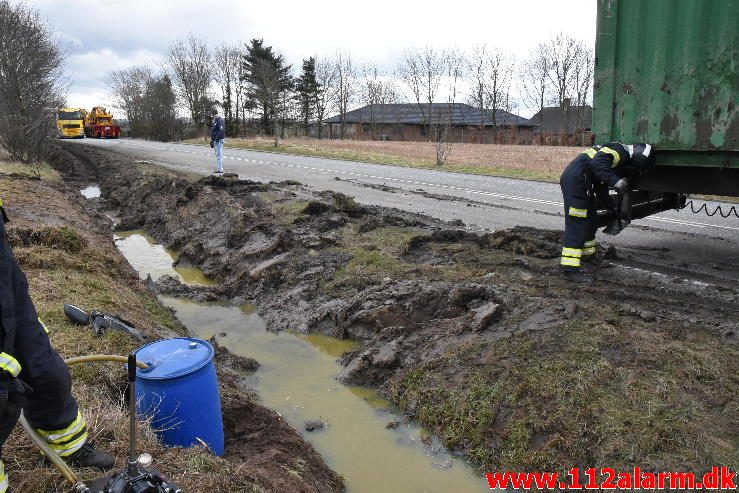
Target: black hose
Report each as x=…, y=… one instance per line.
x=704, y=208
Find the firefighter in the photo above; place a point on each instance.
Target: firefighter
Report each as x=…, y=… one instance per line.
x=33, y=377
x=585, y=183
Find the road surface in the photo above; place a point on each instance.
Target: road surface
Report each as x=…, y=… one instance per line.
x=676, y=243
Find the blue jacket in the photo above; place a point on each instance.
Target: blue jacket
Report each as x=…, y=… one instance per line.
x=218, y=130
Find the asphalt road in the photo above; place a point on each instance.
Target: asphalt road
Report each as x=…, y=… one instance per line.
x=676, y=243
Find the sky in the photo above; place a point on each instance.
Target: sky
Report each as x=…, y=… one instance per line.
x=106, y=35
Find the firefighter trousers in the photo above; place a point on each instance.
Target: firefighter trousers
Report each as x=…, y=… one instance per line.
x=580, y=219
x=50, y=409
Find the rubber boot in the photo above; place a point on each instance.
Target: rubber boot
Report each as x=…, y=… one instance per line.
x=576, y=275
x=591, y=263
x=88, y=456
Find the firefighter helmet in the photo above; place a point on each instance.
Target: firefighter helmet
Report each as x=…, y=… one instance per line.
x=642, y=156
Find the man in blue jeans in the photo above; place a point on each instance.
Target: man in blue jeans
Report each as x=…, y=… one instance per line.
x=217, y=136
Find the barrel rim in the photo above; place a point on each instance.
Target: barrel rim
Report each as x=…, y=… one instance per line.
x=211, y=356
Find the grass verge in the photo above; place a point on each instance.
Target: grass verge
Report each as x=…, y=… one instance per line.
x=586, y=394
x=46, y=172
x=312, y=150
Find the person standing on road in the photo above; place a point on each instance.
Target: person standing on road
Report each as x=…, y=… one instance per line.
x=33, y=377
x=585, y=183
x=217, y=137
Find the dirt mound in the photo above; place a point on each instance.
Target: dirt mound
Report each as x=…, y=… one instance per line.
x=275, y=453
x=74, y=166
x=530, y=242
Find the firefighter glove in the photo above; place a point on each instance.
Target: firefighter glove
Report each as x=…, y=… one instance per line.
x=14, y=392
x=621, y=186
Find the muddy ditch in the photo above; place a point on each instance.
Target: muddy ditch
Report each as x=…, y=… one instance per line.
x=296, y=377
x=67, y=253
x=474, y=335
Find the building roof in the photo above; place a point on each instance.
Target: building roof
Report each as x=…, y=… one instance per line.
x=413, y=114
x=550, y=119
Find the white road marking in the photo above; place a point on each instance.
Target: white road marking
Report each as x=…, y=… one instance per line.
x=671, y=279
x=450, y=187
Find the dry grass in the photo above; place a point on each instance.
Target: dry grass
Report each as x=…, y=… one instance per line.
x=193, y=469
x=542, y=163
x=67, y=261
x=46, y=172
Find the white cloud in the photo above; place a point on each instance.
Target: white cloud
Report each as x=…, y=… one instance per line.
x=88, y=71
x=89, y=100
x=111, y=34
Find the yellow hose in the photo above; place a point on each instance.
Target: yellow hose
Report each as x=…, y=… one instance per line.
x=58, y=462
x=102, y=357
x=53, y=457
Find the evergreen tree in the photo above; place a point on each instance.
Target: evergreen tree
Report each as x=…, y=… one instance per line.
x=307, y=89
x=159, y=108
x=267, y=79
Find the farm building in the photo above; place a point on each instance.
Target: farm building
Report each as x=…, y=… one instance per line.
x=411, y=122
x=572, y=122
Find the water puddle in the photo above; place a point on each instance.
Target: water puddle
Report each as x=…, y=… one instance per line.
x=297, y=379
x=91, y=191
x=150, y=258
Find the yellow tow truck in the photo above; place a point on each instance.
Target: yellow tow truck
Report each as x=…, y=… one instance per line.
x=70, y=123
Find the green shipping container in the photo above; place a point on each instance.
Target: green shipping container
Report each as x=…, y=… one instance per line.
x=666, y=74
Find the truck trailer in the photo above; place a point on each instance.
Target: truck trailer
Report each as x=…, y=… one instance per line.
x=666, y=74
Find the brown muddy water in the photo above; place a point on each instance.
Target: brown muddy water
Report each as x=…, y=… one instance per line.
x=153, y=259
x=297, y=378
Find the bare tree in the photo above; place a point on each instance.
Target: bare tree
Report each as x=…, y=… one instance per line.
x=421, y=72
x=148, y=101
x=490, y=72
x=326, y=76
x=500, y=69
x=226, y=63
x=582, y=85
x=158, y=108
x=535, y=82
x=346, y=87
x=565, y=54
x=478, y=83
x=243, y=103
x=127, y=88
x=31, y=82
x=377, y=90
x=443, y=122
x=189, y=62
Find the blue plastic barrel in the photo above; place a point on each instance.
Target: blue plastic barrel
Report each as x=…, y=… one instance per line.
x=179, y=391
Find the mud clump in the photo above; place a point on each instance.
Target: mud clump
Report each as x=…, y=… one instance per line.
x=230, y=360
x=172, y=286
x=314, y=425
x=530, y=242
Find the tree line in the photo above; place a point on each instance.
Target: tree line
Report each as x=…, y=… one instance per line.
x=261, y=93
